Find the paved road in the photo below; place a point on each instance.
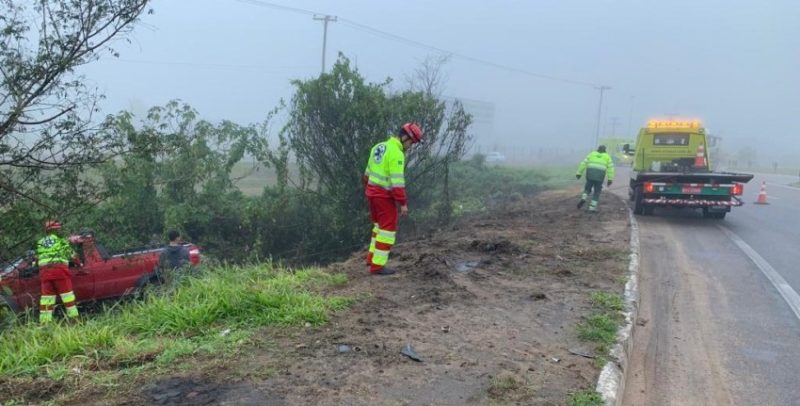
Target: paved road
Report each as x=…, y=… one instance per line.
x=713, y=328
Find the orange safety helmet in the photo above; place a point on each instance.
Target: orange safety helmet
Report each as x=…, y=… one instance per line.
x=52, y=225
x=413, y=131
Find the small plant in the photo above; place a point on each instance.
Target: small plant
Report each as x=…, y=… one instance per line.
x=601, y=326
x=607, y=301
x=507, y=388
x=585, y=398
x=501, y=386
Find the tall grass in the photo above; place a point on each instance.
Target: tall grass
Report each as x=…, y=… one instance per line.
x=196, y=309
x=476, y=185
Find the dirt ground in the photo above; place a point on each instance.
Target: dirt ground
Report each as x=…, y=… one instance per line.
x=491, y=306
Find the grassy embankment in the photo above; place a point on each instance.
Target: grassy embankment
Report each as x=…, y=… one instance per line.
x=213, y=312
x=217, y=311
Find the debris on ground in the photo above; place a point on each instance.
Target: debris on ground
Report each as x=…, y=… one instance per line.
x=466, y=266
x=408, y=351
x=581, y=353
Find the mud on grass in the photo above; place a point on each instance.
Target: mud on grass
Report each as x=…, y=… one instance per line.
x=491, y=306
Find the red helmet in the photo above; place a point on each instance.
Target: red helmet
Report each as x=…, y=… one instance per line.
x=413, y=131
x=52, y=225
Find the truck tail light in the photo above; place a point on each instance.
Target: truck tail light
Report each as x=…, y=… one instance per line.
x=737, y=189
x=648, y=187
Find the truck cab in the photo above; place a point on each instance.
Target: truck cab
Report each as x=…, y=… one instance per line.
x=671, y=146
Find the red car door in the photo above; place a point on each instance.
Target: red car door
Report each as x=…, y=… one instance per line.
x=118, y=276
x=28, y=288
x=82, y=283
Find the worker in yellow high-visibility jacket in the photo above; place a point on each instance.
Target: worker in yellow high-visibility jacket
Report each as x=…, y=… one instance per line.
x=386, y=190
x=597, y=165
x=53, y=254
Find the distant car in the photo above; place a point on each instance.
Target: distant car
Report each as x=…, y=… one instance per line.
x=495, y=157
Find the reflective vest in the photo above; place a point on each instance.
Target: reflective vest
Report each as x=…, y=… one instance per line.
x=385, y=171
x=597, y=165
x=53, y=249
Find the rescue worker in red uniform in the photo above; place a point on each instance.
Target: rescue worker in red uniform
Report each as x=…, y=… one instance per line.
x=386, y=190
x=53, y=254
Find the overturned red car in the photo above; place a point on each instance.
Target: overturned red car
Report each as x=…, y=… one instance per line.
x=99, y=276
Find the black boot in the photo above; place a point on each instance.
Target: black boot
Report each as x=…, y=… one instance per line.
x=385, y=271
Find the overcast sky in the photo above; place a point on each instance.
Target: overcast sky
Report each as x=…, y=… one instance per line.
x=733, y=63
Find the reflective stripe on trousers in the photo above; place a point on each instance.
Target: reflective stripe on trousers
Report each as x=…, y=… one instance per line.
x=383, y=212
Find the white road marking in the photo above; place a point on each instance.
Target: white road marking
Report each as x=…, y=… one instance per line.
x=789, y=295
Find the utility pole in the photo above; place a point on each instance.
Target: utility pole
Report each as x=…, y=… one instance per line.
x=630, y=118
x=602, y=90
x=325, y=20
x=614, y=121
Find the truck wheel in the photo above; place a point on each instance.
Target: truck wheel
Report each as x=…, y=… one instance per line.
x=638, y=206
x=713, y=215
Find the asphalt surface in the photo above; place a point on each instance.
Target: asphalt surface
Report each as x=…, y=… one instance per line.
x=718, y=317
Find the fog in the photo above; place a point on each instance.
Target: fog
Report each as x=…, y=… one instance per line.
x=530, y=68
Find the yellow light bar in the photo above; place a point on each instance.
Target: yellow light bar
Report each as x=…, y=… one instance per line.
x=674, y=124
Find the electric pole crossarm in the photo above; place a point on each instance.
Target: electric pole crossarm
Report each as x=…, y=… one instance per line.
x=325, y=20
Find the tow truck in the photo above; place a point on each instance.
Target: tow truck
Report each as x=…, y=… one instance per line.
x=671, y=167
x=99, y=275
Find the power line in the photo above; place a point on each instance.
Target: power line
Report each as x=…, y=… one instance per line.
x=279, y=7
x=390, y=36
x=207, y=65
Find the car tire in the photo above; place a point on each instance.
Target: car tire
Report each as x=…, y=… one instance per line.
x=145, y=284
